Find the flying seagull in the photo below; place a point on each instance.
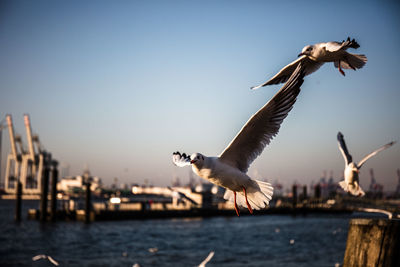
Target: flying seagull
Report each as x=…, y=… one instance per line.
x=229, y=168
x=314, y=56
x=42, y=256
x=351, y=183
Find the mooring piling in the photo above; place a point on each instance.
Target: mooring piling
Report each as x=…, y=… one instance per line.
x=373, y=242
x=18, y=201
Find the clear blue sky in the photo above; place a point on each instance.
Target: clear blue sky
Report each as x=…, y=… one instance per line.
x=120, y=85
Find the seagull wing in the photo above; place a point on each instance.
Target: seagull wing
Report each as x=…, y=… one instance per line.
x=332, y=46
x=343, y=148
x=283, y=75
x=336, y=46
x=374, y=153
x=180, y=160
x=206, y=260
x=264, y=125
x=52, y=260
x=38, y=257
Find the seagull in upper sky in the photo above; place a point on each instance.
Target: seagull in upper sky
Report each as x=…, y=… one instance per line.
x=314, y=56
x=229, y=168
x=351, y=183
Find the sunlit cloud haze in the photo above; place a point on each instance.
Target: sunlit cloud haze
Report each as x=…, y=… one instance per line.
x=120, y=85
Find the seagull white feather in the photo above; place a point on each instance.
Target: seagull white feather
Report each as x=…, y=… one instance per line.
x=206, y=260
x=314, y=56
x=229, y=168
x=351, y=182
x=42, y=256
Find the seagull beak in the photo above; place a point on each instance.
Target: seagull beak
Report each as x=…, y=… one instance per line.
x=301, y=54
x=192, y=161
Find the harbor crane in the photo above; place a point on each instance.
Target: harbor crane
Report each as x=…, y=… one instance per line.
x=2, y=126
x=32, y=162
x=25, y=166
x=14, y=159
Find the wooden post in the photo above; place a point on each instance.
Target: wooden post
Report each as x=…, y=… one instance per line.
x=317, y=191
x=54, y=179
x=18, y=202
x=43, y=197
x=304, y=192
x=294, y=200
x=87, y=202
x=373, y=242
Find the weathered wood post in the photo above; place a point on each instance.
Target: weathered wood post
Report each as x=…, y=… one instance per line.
x=373, y=242
x=44, y=193
x=294, y=193
x=304, y=192
x=317, y=191
x=87, y=180
x=87, y=203
x=54, y=180
x=18, y=202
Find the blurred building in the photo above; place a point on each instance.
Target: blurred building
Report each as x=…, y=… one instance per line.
x=375, y=190
x=76, y=183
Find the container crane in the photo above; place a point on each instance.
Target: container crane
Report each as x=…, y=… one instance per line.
x=14, y=159
x=32, y=162
x=2, y=126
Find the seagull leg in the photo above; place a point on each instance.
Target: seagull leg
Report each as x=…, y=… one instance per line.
x=340, y=69
x=248, y=205
x=236, y=207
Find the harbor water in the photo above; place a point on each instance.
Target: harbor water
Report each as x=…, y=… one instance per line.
x=268, y=240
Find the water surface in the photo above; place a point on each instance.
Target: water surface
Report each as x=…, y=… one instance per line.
x=269, y=240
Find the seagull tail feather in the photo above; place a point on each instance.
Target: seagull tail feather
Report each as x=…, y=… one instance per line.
x=354, y=190
x=352, y=61
x=344, y=186
x=259, y=195
x=357, y=191
x=356, y=61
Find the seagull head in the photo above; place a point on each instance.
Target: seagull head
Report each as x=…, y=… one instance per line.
x=307, y=50
x=197, y=159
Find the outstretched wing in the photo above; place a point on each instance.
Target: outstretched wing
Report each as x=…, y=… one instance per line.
x=180, y=160
x=264, y=125
x=336, y=46
x=343, y=148
x=374, y=153
x=52, y=260
x=206, y=260
x=284, y=74
x=38, y=257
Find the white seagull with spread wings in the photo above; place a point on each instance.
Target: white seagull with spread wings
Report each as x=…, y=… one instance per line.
x=351, y=182
x=229, y=169
x=314, y=56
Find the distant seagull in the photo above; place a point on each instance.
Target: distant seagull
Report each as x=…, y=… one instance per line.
x=229, y=168
x=42, y=256
x=314, y=56
x=153, y=250
x=206, y=260
x=351, y=183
